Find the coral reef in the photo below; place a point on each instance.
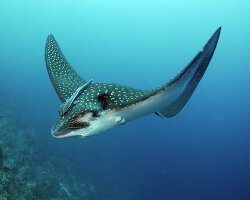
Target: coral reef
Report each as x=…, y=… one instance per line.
x=1, y=157
x=26, y=172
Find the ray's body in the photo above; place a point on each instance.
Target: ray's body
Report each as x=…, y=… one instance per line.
x=91, y=108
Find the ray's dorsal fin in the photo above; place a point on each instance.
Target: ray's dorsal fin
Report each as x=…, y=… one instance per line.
x=183, y=85
x=63, y=77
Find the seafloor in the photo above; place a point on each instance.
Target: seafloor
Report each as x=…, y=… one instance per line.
x=26, y=170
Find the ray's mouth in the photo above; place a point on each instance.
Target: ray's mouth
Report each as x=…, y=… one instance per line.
x=58, y=134
x=66, y=131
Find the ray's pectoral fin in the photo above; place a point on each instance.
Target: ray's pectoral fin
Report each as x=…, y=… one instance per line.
x=180, y=89
x=63, y=77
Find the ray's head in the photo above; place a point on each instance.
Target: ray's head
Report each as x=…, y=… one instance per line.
x=75, y=124
x=84, y=119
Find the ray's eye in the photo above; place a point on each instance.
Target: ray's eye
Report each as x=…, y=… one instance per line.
x=95, y=114
x=103, y=99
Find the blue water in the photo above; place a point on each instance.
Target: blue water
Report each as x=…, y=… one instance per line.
x=202, y=153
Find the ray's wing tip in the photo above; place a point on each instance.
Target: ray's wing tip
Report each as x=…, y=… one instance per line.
x=217, y=32
x=50, y=39
x=215, y=36
x=212, y=42
x=219, y=29
x=50, y=36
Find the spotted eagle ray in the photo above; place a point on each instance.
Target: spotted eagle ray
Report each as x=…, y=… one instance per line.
x=90, y=108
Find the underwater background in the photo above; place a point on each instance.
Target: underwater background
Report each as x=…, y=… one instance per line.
x=201, y=153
